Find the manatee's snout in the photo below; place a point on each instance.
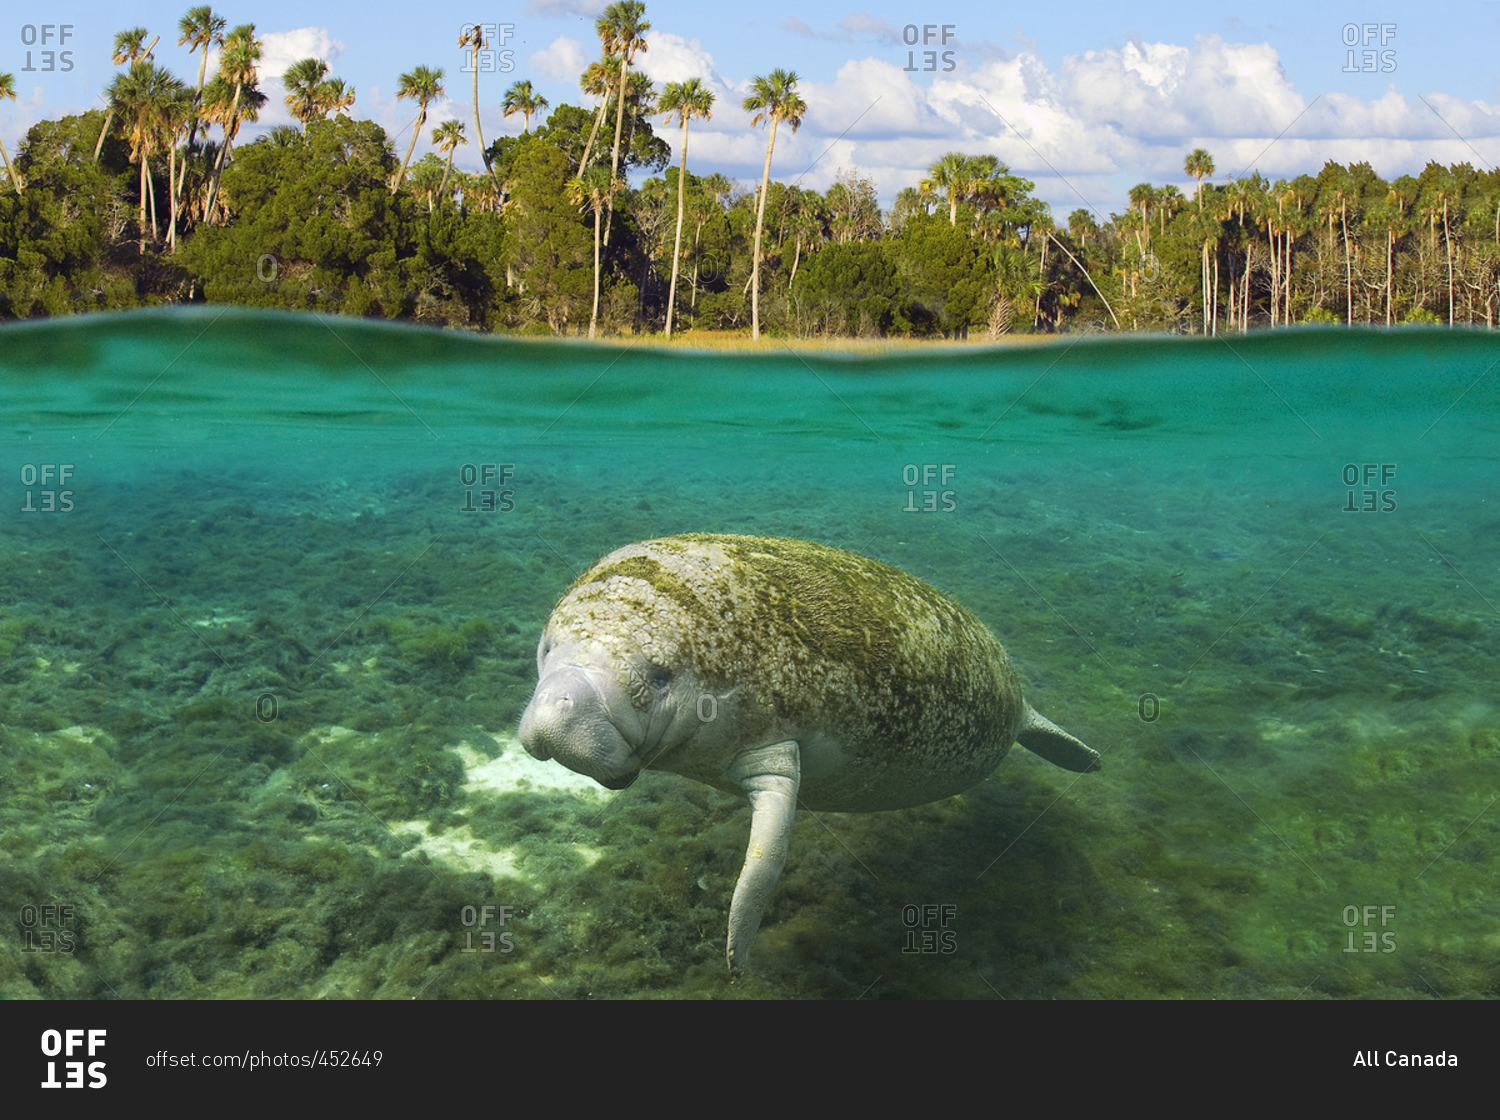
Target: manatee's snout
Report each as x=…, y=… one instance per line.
x=568, y=720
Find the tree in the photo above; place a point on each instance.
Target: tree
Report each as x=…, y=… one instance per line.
x=1144, y=196
x=199, y=30
x=147, y=99
x=8, y=93
x=947, y=176
x=522, y=98
x=1200, y=165
x=473, y=38
x=597, y=81
x=424, y=86
x=853, y=207
x=303, y=81
x=546, y=246
x=447, y=137
x=593, y=191
x=237, y=67
x=335, y=97
x=622, y=29
x=687, y=100
x=772, y=98
x=128, y=49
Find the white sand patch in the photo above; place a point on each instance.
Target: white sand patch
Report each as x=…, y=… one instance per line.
x=513, y=770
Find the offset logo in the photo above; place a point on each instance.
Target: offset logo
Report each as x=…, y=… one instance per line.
x=44, y=491
x=927, y=60
x=1361, y=924
x=480, y=939
x=1374, y=480
x=73, y=1045
x=927, y=927
x=935, y=497
x=491, y=495
x=1362, y=55
x=48, y=59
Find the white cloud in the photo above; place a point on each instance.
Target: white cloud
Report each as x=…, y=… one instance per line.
x=279, y=49
x=563, y=60
x=671, y=58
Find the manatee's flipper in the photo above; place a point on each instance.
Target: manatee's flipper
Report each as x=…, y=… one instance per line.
x=770, y=777
x=1040, y=735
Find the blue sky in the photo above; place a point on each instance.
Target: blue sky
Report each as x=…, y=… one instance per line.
x=1084, y=99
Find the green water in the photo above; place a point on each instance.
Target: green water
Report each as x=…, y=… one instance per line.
x=263, y=652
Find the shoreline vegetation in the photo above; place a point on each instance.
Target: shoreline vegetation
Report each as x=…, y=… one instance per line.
x=157, y=201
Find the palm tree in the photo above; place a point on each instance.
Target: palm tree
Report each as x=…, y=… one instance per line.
x=597, y=81
x=521, y=98
x=424, y=86
x=446, y=137
x=334, y=97
x=687, y=100
x=149, y=100
x=201, y=30
x=8, y=93
x=128, y=49
x=473, y=38
x=176, y=121
x=772, y=98
x=1144, y=196
x=237, y=67
x=1168, y=199
x=622, y=29
x=593, y=190
x=948, y=177
x=1200, y=165
x=303, y=81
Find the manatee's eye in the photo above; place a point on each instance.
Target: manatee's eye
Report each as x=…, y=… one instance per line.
x=658, y=677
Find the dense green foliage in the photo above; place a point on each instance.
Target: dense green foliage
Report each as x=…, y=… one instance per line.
x=330, y=217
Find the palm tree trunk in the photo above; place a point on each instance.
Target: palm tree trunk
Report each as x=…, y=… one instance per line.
x=142, y=245
x=416, y=130
x=760, y=222
x=1448, y=252
x=677, y=241
x=109, y=119
x=594, y=316
x=594, y=134
x=229, y=128
x=614, y=163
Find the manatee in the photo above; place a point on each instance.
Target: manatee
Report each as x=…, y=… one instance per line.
x=795, y=673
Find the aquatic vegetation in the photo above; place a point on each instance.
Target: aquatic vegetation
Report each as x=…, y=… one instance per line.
x=260, y=739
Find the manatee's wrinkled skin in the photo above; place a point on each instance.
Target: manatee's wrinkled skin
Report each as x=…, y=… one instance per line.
x=790, y=671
